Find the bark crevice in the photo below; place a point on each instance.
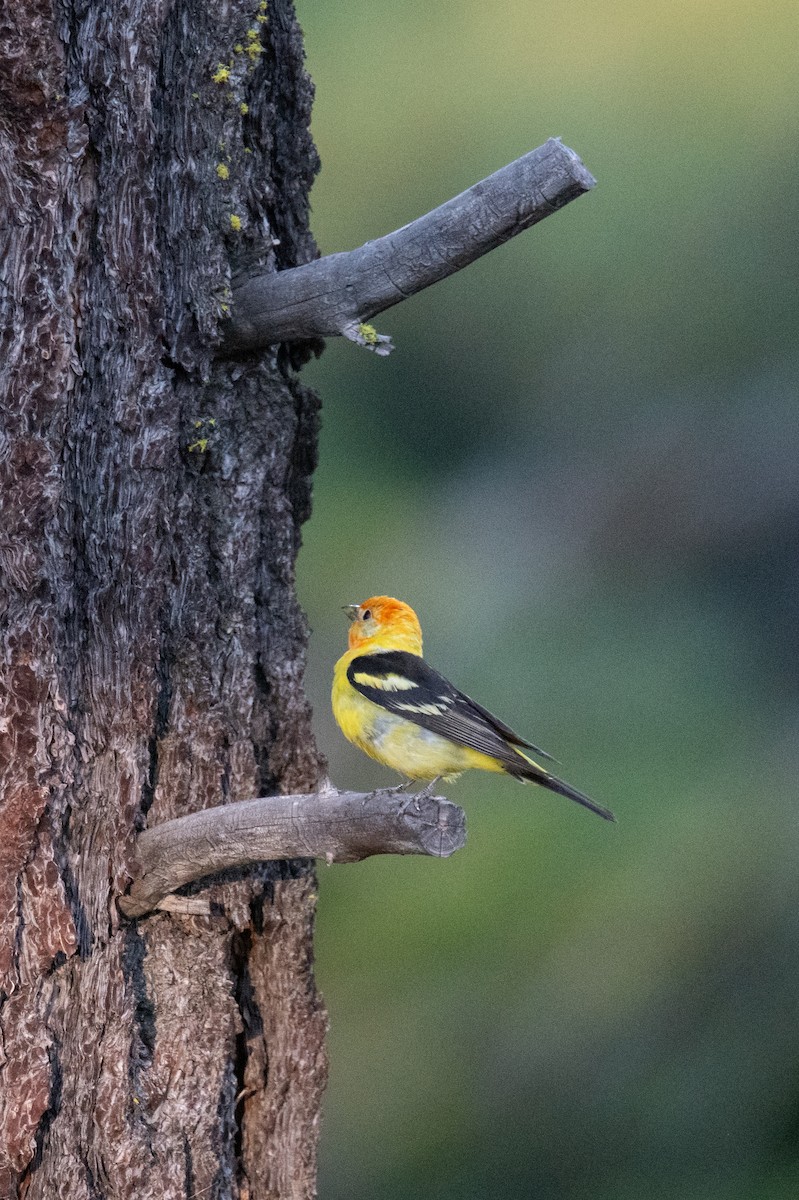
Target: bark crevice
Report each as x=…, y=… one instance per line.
x=48, y=1116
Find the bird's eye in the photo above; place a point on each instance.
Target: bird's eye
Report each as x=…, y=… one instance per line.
x=366, y=614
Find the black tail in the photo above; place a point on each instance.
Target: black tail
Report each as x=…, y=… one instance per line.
x=538, y=775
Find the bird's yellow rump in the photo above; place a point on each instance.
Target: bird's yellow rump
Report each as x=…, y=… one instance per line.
x=398, y=710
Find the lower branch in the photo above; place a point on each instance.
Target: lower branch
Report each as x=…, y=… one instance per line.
x=336, y=826
x=338, y=294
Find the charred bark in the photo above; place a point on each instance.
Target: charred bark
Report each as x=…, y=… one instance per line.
x=151, y=646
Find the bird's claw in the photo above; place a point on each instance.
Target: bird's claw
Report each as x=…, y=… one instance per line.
x=425, y=794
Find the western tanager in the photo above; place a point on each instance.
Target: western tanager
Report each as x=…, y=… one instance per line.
x=398, y=710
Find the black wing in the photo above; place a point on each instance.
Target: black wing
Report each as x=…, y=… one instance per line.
x=404, y=684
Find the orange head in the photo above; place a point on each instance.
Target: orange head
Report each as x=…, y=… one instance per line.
x=383, y=623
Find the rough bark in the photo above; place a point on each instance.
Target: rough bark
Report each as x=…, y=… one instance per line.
x=151, y=647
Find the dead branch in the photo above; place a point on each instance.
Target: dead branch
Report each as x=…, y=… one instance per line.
x=337, y=826
x=339, y=293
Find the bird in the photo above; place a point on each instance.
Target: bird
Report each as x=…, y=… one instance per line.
x=389, y=703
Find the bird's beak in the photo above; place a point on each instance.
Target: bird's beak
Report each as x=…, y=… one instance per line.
x=351, y=610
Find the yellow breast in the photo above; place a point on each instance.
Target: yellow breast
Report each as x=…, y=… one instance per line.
x=395, y=741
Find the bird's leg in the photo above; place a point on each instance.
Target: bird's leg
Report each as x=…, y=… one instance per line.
x=426, y=791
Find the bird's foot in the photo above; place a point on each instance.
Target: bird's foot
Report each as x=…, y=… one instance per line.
x=426, y=792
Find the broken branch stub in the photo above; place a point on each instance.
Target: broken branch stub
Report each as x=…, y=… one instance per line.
x=335, y=826
x=340, y=293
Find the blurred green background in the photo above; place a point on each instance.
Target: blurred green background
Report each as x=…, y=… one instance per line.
x=581, y=467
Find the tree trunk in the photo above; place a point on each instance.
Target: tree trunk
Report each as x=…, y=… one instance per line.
x=151, y=646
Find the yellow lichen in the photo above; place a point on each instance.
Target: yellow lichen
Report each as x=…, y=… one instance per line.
x=239, y=48
x=253, y=35
x=244, y=108
x=222, y=74
x=235, y=224
x=222, y=171
x=260, y=18
x=369, y=334
x=200, y=444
